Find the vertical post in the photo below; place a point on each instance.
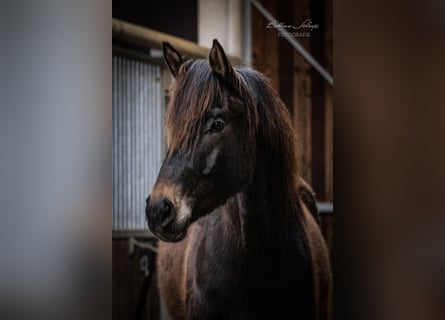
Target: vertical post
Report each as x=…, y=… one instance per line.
x=318, y=104
x=247, y=33
x=221, y=19
x=303, y=95
x=329, y=102
x=285, y=55
x=265, y=56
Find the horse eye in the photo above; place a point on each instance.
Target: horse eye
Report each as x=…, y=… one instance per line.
x=217, y=126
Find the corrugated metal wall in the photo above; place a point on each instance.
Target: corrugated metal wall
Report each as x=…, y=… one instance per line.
x=138, y=138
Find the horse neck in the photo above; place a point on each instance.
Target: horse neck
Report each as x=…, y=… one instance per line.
x=268, y=209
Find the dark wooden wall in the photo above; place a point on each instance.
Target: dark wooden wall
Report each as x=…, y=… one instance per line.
x=308, y=97
x=134, y=296
x=176, y=17
x=305, y=93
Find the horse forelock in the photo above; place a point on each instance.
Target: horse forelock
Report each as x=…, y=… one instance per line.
x=196, y=91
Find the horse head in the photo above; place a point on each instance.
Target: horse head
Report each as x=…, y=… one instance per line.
x=209, y=157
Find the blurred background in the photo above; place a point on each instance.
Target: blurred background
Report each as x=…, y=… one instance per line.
x=55, y=159
x=250, y=33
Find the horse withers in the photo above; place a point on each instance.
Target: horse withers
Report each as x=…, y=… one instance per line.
x=238, y=230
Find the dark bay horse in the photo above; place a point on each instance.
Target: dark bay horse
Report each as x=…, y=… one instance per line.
x=238, y=226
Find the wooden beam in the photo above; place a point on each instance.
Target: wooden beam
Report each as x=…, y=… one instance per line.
x=329, y=102
x=285, y=57
x=303, y=96
x=149, y=38
x=265, y=44
x=318, y=102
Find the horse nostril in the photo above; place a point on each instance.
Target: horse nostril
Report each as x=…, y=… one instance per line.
x=167, y=212
x=160, y=213
x=167, y=207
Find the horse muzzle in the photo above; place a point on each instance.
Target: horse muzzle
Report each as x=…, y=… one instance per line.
x=162, y=220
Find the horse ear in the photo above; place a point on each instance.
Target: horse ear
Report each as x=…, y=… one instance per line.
x=220, y=63
x=172, y=58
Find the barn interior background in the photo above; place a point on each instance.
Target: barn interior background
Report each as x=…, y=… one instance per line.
x=140, y=84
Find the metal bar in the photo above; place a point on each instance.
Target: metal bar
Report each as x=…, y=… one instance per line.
x=141, y=56
x=149, y=38
x=325, y=207
x=306, y=55
x=247, y=33
x=143, y=245
x=114, y=129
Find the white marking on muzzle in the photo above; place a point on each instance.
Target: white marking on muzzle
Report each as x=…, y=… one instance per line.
x=184, y=211
x=210, y=161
